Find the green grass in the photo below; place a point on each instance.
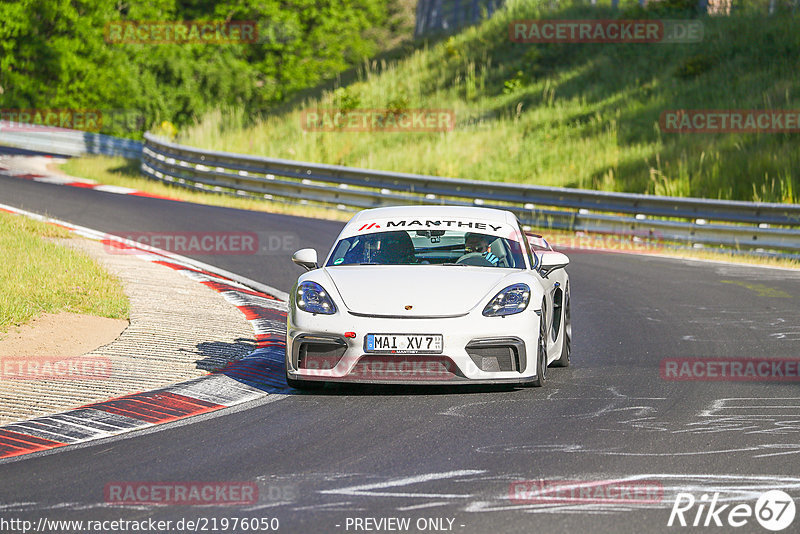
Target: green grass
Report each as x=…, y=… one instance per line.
x=40, y=276
x=574, y=115
x=125, y=173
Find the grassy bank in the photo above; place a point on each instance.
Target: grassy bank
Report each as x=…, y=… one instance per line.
x=574, y=115
x=40, y=276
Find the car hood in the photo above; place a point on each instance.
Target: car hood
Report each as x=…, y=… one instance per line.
x=429, y=290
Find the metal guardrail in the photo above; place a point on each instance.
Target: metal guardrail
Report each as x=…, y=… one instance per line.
x=745, y=225
x=67, y=142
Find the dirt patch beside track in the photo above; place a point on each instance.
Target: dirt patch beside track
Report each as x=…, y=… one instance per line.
x=60, y=335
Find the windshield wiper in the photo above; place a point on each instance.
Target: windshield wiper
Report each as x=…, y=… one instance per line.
x=453, y=264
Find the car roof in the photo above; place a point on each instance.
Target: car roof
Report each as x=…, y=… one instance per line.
x=460, y=212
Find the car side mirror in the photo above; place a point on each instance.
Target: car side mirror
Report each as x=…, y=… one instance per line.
x=306, y=258
x=550, y=261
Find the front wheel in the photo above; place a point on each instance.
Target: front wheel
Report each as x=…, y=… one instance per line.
x=541, y=353
x=566, y=344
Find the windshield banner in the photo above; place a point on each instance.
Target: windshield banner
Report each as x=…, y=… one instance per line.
x=495, y=228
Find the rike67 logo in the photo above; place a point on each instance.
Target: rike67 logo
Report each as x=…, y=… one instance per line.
x=774, y=510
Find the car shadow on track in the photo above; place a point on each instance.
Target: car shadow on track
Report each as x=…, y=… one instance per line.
x=262, y=368
x=216, y=355
x=362, y=390
x=265, y=369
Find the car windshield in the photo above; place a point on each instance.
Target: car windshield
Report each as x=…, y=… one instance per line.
x=428, y=247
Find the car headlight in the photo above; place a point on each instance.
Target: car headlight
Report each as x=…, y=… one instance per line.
x=312, y=298
x=509, y=301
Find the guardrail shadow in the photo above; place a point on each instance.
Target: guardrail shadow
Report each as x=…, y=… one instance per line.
x=13, y=151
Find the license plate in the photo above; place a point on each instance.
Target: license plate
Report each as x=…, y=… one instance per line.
x=404, y=343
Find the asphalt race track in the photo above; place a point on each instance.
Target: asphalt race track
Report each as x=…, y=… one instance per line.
x=446, y=458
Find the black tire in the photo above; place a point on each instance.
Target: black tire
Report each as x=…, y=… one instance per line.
x=541, y=352
x=306, y=385
x=566, y=345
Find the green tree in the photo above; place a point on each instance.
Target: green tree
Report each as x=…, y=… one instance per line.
x=54, y=54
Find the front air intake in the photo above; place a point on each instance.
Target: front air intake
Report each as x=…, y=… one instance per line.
x=312, y=352
x=495, y=355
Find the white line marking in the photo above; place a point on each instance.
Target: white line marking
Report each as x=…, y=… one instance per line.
x=421, y=506
x=326, y=506
x=366, y=489
x=263, y=506
x=118, y=189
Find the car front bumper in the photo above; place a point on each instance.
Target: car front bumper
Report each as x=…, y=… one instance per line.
x=476, y=349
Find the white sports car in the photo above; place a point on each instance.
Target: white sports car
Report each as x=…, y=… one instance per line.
x=429, y=294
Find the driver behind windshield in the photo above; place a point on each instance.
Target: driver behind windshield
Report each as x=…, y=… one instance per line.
x=480, y=245
x=389, y=248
